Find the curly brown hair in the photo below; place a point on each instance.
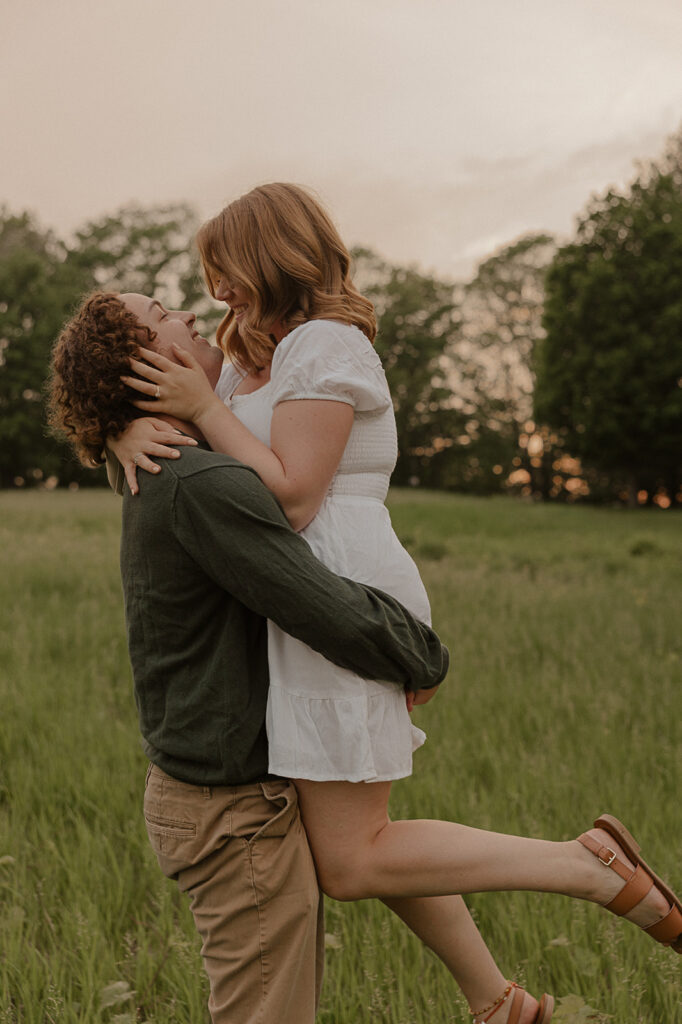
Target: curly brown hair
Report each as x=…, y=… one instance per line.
x=87, y=400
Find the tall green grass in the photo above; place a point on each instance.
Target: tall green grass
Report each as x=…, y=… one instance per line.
x=563, y=701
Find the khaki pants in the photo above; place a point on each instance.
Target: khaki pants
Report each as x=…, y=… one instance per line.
x=242, y=856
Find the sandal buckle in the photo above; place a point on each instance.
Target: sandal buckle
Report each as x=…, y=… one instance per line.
x=602, y=860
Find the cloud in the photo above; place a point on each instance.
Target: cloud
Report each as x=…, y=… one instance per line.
x=433, y=131
x=449, y=227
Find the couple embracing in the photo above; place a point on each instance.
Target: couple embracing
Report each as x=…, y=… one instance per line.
x=278, y=631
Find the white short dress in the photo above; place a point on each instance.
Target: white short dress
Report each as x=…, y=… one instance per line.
x=324, y=722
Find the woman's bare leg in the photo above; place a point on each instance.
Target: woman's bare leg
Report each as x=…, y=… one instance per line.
x=444, y=924
x=418, y=868
x=361, y=853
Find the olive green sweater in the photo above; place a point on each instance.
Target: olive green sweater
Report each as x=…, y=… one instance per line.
x=207, y=556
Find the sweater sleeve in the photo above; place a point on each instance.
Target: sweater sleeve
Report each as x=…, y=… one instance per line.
x=232, y=526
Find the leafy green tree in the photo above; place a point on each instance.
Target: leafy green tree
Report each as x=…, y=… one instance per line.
x=148, y=250
x=418, y=322
x=501, y=329
x=38, y=289
x=41, y=280
x=609, y=373
x=459, y=364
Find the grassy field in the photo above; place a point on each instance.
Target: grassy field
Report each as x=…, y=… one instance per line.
x=563, y=701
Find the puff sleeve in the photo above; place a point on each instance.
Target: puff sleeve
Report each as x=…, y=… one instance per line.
x=323, y=359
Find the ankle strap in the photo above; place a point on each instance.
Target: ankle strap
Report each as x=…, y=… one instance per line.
x=606, y=856
x=638, y=882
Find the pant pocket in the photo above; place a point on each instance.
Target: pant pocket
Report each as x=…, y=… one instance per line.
x=265, y=812
x=171, y=827
x=171, y=822
x=283, y=800
x=280, y=857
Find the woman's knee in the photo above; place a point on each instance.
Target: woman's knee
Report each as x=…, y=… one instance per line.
x=343, y=821
x=342, y=881
x=347, y=875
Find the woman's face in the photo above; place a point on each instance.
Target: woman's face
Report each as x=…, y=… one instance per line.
x=239, y=300
x=235, y=295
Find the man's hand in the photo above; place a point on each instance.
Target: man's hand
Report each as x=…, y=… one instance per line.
x=415, y=697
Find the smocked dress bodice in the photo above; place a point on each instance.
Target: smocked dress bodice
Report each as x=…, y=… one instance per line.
x=323, y=359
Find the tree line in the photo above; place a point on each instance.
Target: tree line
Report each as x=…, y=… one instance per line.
x=556, y=372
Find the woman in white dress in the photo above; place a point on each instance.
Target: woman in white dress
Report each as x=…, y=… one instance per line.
x=304, y=401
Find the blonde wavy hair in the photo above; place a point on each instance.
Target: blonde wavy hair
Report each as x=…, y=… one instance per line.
x=281, y=246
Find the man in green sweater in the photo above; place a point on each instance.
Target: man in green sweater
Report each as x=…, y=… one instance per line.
x=206, y=557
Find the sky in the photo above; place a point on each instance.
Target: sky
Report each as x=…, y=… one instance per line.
x=435, y=131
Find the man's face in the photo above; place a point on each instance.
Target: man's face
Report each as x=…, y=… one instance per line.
x=175, y=326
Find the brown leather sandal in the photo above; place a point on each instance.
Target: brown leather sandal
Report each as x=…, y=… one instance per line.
x=545, y=1009
x=543, y=1016
x=638, y=883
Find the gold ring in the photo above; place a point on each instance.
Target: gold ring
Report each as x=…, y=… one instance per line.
x=157, y=393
